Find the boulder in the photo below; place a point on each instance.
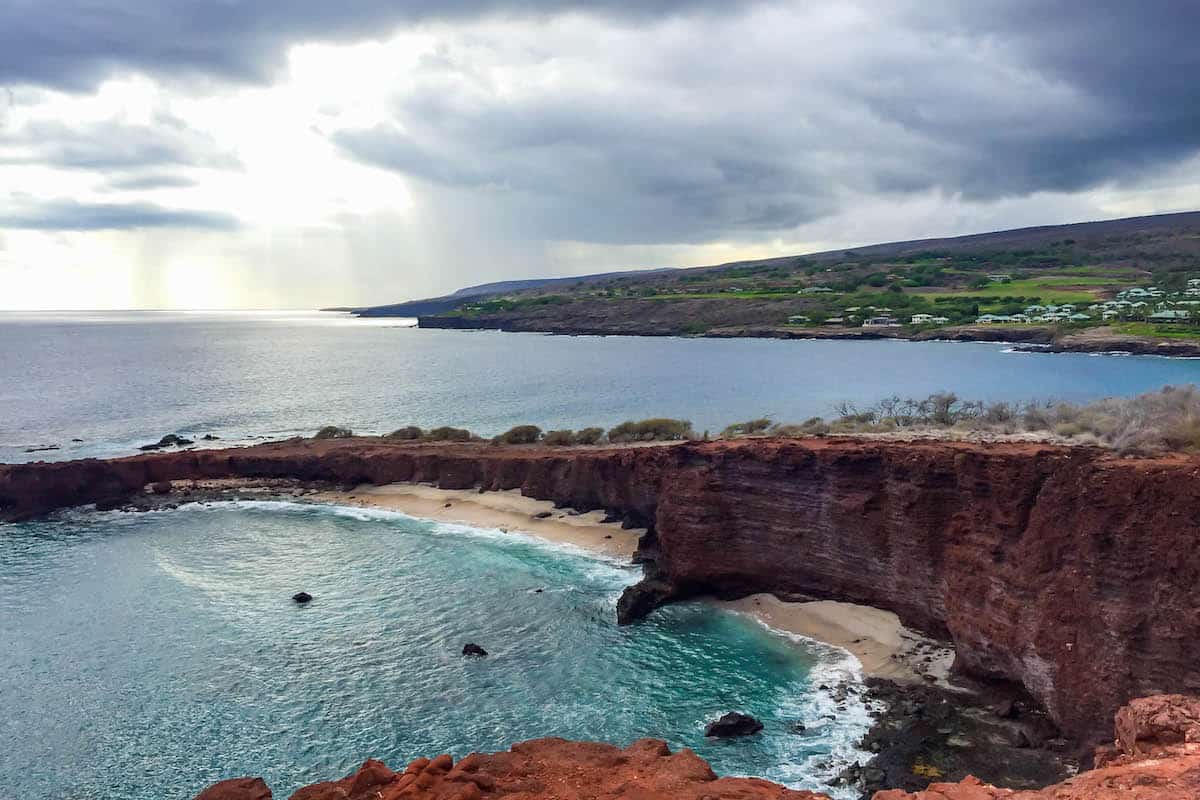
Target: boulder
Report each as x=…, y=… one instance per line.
x=237, y=789
x=732, y=725
x=472, y=649
x=302, y=597
x=161, y=487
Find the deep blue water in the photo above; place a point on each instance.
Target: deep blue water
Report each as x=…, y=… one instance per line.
x=117, y=380
x=143, y=656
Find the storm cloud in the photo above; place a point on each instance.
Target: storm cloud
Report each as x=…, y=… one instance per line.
x=75, y=43
x=419, y=146
x=707, y=127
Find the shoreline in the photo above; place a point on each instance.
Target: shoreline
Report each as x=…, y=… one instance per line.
x=1031, y=339
x=876, y=639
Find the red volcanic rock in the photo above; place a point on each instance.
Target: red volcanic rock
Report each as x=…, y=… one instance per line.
x=1157, y=758
x=1069, y=570
x=1150, y=726
x=548, y=769
x=237, y=789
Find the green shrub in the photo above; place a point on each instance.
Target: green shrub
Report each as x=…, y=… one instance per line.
x=333, y=432
x=589, y=436
x=448, y=434
x=559, y=438
x=651, y=430
x=521, y=434
x=408, y=433
x=747, y=428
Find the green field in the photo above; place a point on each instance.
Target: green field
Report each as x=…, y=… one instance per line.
x=1043, y=288
x=1157, y=331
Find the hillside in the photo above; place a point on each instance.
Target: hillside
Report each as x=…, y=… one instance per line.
x=1127, y=278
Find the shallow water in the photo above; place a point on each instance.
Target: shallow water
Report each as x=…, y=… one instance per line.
x=147, y=655
x=120, y=379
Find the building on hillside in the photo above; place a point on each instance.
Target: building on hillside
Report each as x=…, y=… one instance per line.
x=798, y=319
x=1000, y=277
x=920, y=319
x=881, y=322
x=1170, y=316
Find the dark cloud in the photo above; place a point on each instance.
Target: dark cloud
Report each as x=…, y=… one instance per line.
x=72, y=44
x=71, y=216
x=754, y=124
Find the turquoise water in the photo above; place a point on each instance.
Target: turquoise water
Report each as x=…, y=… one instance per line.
x=116, y=380
x=143, y=656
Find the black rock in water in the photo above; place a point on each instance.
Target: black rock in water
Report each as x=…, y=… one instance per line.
x=472, y=649
x=302, y=597
x=732, y=725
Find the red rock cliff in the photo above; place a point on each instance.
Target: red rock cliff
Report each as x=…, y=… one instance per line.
x=1068, y=570
x=1156, y=757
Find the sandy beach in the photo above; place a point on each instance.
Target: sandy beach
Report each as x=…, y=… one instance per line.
x=883, y=646
x=506, y=511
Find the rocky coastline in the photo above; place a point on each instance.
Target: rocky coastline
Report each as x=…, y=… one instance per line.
x=1025, y=338
x=1035, y=561
x=1155, y=755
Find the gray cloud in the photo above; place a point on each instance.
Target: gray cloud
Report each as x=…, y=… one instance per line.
x=71, y=216
x=72, y=44
x=757, y=124
x=113, y=145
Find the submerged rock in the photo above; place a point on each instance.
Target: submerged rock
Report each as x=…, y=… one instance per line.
x=472, y=649
x=302, y=597
x=170, y=440
x=732, y=725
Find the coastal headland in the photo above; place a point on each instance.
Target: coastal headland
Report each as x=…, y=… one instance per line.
x=1064, y=573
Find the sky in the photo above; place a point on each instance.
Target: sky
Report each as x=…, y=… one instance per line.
x=271, y=154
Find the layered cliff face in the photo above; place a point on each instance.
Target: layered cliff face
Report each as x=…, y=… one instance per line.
x=1068, y=570
x=1156, y=757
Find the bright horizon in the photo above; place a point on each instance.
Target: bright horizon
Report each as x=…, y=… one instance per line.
x=276, y=158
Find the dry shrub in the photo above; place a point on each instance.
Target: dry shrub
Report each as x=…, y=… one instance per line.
x=747, y=428
x=658, y=429
x=333, y=432
x=520, y=434
x=448, y=434
x=589, y=436
x=559, y=438
x=408, y=433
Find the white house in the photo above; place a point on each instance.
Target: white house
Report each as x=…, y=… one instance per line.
x=921, y=319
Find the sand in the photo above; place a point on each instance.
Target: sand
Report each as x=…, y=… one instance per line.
x=506, y=511
x=884, y=647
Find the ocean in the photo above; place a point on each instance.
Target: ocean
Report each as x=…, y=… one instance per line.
x=148, y=655
x=117, y=380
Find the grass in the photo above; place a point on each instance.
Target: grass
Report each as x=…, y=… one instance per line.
x=1156, y=331
x=1164, y=421
x=1032, y=287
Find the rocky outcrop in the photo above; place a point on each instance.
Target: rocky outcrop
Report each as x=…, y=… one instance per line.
x=545, y=769
x=1156, y=756
x=1068, y=570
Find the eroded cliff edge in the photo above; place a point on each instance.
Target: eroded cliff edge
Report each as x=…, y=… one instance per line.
x=1068, y=570
x=1156, y=756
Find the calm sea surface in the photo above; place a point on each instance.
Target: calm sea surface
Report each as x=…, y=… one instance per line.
x=143, y=656
x=118, y=380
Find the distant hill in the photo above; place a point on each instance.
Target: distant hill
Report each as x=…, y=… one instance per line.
x=438, y=305
x=944, y=277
